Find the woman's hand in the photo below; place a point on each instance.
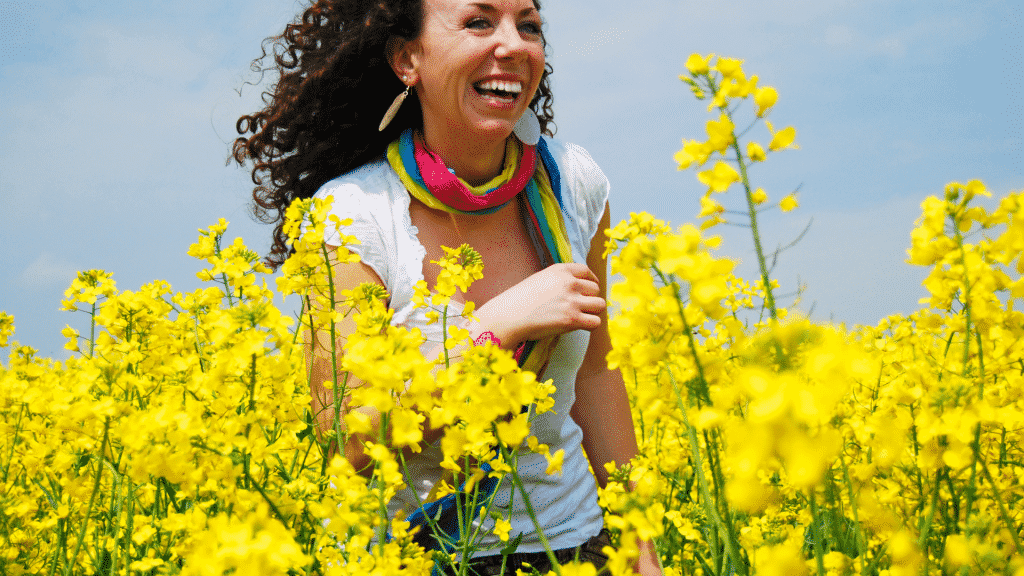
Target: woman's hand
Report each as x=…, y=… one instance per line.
x=558, y=299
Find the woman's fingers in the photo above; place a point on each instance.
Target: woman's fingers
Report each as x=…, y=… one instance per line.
x=578, y=270
x=592, y=304
x=589, y=316
x=586, y=287
x=579, y=278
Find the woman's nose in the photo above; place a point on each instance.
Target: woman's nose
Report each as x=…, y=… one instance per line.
x=510, y=43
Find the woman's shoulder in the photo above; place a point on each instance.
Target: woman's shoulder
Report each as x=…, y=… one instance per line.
x=572, y=157
x=368, y=197
x=373, y=180
x=583, y=179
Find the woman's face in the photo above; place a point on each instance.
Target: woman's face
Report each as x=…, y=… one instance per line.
x=478, y=64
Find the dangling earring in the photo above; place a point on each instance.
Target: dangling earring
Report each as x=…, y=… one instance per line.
x=527, y=128
x=393, y=110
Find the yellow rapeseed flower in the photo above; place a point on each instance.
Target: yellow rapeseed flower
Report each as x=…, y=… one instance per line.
x=698, y=64
x=6, y=328
x=730, y=68
x=782, y=139
x=501, y=529
x=765, y=98
x=788, y=203
x=755, y=152
x=709, y=206
x=692, y=152
x=720, y=177
x=720, y=134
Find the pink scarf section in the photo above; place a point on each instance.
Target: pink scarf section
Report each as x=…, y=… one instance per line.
x=451, y=191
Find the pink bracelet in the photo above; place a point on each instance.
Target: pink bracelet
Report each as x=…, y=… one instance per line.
x=489, y=336
x=486, y=337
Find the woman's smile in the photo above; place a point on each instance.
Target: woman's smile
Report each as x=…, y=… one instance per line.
x=499, y=94
x=504, y=93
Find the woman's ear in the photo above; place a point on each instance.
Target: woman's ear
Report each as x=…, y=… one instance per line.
x=403, y=56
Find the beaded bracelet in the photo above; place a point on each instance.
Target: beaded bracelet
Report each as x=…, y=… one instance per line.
x=486, y=337
x=489, y=336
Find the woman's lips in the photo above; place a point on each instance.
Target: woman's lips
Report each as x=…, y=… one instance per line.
x=499, y=91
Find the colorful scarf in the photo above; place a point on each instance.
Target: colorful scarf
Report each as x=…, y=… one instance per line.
x=426, y=177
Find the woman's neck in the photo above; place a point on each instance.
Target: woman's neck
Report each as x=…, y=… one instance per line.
x=474, y=161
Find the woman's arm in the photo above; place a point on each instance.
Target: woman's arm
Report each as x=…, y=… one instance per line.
x=602, y=407
x=319, y=352
x=322, y=356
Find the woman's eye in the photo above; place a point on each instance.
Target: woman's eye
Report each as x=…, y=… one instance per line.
x=477, y=24
x=530, y=28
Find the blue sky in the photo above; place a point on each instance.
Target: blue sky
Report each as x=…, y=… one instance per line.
x=117, y=119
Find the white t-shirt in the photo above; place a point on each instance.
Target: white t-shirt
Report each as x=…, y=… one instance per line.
x=378, y=204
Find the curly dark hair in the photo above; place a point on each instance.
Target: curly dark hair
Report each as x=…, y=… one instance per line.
x=334, y=83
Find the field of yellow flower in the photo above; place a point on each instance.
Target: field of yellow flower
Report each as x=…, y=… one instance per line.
x=181, y=438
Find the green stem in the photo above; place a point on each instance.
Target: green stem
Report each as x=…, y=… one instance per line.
x=752, y=213
x=92, y=331
x=926, y=525
x=981, y=367
x=116, y=504
x=248, y=427
x=819, y=546
x=705, y=393
x=444, y=336
x=976, y=443
x=273, y=507
x=967, y=301
x=129, y=518
x=381, y=485
x=430, y=523
x=340, y=388
x=92, y=497
x=1002, y=507
x=460, y=517
x=536, y=524
x=709, y=506
x=861, y=544
x=717, y=476
x=14, y=442
x=62, y=540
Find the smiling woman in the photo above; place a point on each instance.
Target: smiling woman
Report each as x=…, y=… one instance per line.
x=458, y=159
x=334, y=85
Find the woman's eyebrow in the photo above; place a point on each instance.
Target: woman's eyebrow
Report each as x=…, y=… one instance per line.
x=487, y=7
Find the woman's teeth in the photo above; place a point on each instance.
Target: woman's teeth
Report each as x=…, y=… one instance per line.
x=500, y=88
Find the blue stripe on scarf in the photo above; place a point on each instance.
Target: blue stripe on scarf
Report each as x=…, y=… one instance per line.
x=549, y=164
x=533, y=197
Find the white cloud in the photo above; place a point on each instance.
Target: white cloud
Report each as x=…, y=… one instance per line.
x=48, y=271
